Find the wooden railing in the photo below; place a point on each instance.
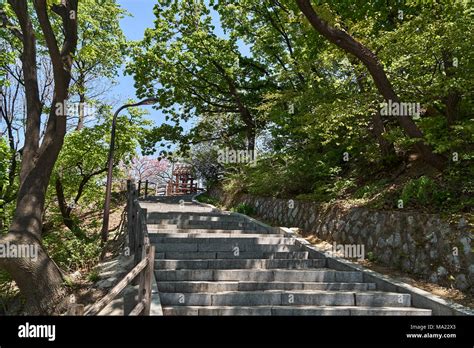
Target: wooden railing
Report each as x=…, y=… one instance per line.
x=144, y=258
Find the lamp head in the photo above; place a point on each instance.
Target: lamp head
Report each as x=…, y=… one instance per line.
x=149, y=101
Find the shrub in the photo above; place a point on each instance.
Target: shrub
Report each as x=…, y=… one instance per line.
x=422, y=191
x=204, y=198
x=244, y=208
x=70, y=252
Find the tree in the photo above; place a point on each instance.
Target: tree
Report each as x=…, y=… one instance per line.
x=39, y=280
x=148, y=168
x=326, y=105
x=100, y=51
x=82, y=164
x=345, y=41
x=183, y=62
x=98, y=55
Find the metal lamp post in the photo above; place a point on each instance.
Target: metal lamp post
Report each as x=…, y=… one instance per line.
x=110, y=165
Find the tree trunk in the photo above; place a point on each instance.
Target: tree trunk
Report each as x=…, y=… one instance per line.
x=251, y=138
x=67, y=210
x=370, y=60
x=63, y=207
x=80, y=122
x=386, y=147
x=39, y=279
x=452, y=102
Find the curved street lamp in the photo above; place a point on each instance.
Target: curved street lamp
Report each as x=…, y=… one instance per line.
x=110, y=165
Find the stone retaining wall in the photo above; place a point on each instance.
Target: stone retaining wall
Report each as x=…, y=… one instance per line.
x=420, y=244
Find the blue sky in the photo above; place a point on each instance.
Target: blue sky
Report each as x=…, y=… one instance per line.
x=133, y=27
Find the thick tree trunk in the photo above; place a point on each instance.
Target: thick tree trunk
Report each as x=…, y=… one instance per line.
x=370, y=60
x=39, y=279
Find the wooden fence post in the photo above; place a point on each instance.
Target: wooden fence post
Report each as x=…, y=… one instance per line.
x=141, y=286
x=148, y=278
x=138, y=242
x=130, y=217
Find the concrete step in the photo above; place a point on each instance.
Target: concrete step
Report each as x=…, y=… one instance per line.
x=228, y=221
x=198, y=215
x=213, y=286
x=293, y=310
x=240, y=240
x=208, y=225
x=240, y=263
x=154, y=229
x=224, y=221
x=290, y=298
x=192, y=255
x=197, y=220
x=154, y=235
x=281, y=275
x=231, y=247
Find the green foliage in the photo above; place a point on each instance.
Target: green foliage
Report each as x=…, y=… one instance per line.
x=93, y=276
x=71, y=253
x=7, y=191
x=325, y=102
x=370, y=189
x=204, y=198
x=81, y=165
x=102, y=42
x=243, y=208
x=310, y=102
x=370, y=256
x=423, y=191
x=195, y=72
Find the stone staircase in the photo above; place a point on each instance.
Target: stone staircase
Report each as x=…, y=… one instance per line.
x=217, y=263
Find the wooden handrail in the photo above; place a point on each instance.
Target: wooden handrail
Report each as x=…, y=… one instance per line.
x=144, y=260
x=96, y=308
